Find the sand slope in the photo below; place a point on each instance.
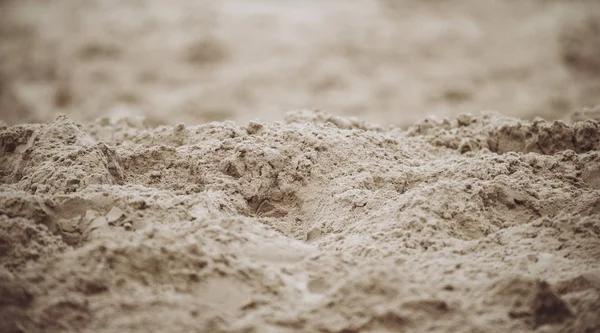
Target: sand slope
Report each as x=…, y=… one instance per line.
x=318, y=223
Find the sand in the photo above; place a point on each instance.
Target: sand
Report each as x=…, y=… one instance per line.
x=318, y=223
x=154, y=179
x=385, y=61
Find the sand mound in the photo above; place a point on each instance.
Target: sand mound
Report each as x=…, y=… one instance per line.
x=315, y=224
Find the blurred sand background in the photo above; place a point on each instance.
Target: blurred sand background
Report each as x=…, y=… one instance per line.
x=388, y=62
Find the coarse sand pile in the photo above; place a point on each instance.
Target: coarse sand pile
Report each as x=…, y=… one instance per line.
x=318, y=223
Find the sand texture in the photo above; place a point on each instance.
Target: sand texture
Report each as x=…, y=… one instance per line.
x=385, y=61
x=154, y=179
x=318, y=223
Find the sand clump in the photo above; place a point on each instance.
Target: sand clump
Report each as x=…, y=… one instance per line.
x=318, y=223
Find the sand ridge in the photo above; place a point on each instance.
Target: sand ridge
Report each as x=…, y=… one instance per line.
x=318, y=223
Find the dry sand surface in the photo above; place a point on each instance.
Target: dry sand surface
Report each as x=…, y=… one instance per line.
x=387, y=61
x=315, y=224
x=132, y=212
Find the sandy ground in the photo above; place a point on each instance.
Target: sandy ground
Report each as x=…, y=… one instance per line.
x=152, y=178
x=389, y=62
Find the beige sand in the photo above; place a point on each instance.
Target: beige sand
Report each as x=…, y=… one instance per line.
x=134, y=213
x=386, y=61
x=316, y=224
